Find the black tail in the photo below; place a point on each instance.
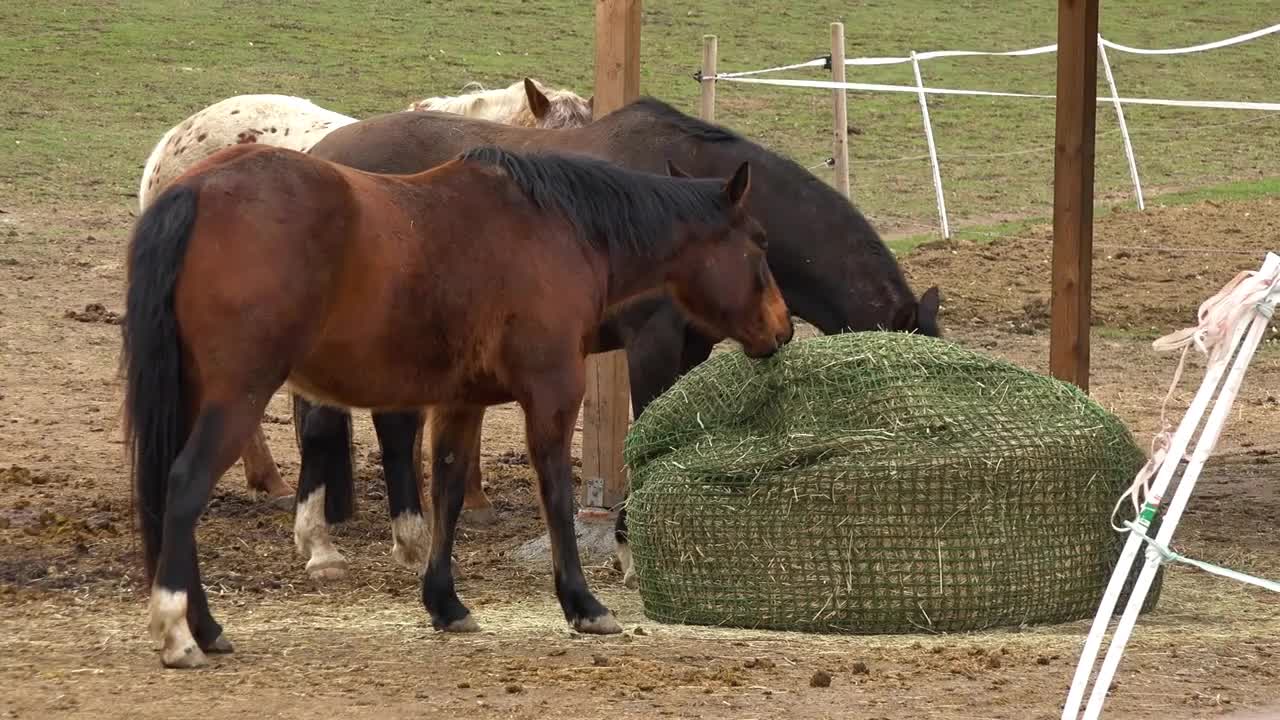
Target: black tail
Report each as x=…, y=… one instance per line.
x=156, y=425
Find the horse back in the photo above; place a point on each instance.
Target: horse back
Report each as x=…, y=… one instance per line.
x=452, y=277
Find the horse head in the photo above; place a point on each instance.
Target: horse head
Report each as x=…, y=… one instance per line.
x=722, y=279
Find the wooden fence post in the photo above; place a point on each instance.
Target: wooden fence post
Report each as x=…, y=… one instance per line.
x=606, y=408
x=708, y=106
x=1073, y=160
x=840, y=106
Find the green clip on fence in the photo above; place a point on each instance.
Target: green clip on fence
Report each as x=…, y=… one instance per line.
x=875, y=483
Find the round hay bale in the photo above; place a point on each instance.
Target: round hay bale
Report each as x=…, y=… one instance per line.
x=875, y=483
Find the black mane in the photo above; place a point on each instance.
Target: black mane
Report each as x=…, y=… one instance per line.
x=621, y=211
x=687, y=124
x=775, y=168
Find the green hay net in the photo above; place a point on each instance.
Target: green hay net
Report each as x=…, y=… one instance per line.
x=875, y=483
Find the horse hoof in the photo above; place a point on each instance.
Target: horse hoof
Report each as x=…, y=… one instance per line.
x=604, y=625
x=467, y=624
x=630, y=580
x=327, y=569
x=482, y=517
x=189, y=656
x=284, y=503
x=221, y=646
x=409, y=559
x=410, y=542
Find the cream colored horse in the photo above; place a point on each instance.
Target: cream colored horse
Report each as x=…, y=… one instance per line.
x=298, y=124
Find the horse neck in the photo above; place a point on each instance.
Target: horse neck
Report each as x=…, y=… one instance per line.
x=831, y=266
x=632, y=275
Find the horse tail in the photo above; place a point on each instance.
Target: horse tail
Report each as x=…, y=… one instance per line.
x=155, y=399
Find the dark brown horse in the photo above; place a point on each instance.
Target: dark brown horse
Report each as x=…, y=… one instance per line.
x=481, y=281
x=830, y=264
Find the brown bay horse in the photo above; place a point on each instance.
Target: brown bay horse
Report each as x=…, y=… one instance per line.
x=483, y=280
x=296, y=123
x=830, y=264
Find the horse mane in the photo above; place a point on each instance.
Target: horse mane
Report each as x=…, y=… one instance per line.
x=783, y=168
x=623, y=212
x=696, y=128
x=496, y=102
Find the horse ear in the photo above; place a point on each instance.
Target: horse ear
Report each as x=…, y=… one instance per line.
x=538, y=102
x=738, y=185
x=927, y=310
x=674, y=171
x=929, y=303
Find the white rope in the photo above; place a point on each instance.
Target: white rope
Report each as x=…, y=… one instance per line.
x=880, y=87
x=819, y=62
x=1045, y=49
x=1246, y=334
x=933, y=152
x=932, y=54
x=1124, y=127
x=1236, y=40
x=1167, y=556
x=1041, y=50
x=1219, y=317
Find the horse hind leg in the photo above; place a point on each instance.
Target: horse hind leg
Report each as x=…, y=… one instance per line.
x=261, y=473
x=181, y=622
x=476, y=506
x=398, y=436
x=326, y=492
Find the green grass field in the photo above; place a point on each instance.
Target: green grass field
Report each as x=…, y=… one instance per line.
x=89, y=86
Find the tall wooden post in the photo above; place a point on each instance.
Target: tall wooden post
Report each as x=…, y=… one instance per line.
x=606, y=409
x=1077, y=96
x=840, y=111
x=707, y=107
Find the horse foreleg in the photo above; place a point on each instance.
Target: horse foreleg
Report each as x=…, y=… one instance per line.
x=551, y=412
x=455, y=436
x=261, y=473
x=398, y=436
x=326, y=493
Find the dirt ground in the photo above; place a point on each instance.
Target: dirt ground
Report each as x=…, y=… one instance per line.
x=72, y=612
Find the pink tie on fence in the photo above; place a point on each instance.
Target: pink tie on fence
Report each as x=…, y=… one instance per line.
x=1237, y=316
x=1218, y=318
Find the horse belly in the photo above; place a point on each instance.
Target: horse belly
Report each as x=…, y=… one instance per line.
x=388, y=370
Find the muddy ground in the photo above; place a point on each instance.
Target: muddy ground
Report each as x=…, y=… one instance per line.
x=72, y=612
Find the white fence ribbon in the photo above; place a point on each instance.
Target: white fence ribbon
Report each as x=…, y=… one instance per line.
x=1041, y=50
x=880, y=87
x=819, y=62
x=1168, y=556
x=1194, y=48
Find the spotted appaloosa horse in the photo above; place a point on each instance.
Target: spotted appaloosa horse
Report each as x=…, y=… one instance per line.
x=481, y=281
x=298, y=124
